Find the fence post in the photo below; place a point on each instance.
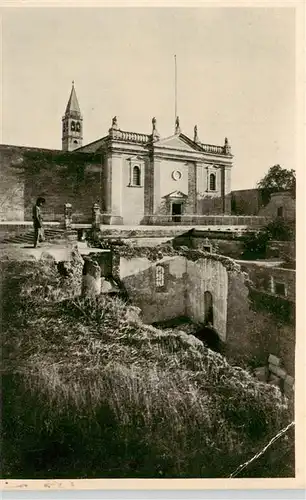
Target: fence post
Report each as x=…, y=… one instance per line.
x=96, y=216
x=68, y=216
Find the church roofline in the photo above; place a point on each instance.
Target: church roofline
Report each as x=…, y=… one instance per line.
x=92, y=143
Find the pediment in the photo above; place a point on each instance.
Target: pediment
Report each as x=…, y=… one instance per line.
x=135, y=158
x=176, y=195
x=178, y=142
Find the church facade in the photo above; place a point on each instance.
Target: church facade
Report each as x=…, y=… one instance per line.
x=135, y=178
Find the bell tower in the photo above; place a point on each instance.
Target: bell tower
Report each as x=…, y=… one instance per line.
x=72, y=124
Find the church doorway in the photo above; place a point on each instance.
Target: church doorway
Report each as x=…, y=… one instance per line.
x=176, y=211
x=208, y=309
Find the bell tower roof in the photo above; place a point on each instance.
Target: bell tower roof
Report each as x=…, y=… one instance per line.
x=72, y=124
x=73, y=104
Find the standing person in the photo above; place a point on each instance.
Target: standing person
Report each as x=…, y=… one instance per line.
x=38, y=221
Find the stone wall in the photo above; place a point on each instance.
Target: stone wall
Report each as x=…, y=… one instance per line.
x=254, y=330
x=226, y=244
x=264, y=278
x=183, y=294
x=251, y=322
x=138, y=277
x=11, y=184
x=27, y=173
x=210, y=205
x=280, y=201
x=207, y=275
x=246, y=201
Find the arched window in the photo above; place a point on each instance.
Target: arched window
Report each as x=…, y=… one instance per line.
x=72, y=126
x=212, y=182
x=160, y=276
x=78, y=127
x=136, y=176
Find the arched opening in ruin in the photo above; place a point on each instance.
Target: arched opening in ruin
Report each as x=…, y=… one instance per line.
x=208, y=309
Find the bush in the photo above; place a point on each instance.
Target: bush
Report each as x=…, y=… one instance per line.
x=280, y=230
x=255, y=242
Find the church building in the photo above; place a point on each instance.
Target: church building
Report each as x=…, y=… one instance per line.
x=136, y=178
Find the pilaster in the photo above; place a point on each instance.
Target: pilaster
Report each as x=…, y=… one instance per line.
x=191, y=206
x=113, y=190
x=156, y=165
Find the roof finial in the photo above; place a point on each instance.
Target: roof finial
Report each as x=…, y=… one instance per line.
x=195, y=134
x=115, y=122
x=73, y=83
x=226, y=147
x=114, y=126
x=155, y=134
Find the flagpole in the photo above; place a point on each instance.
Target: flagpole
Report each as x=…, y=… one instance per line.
x=175, y=88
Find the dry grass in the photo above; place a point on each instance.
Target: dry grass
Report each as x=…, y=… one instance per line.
x=120, y=398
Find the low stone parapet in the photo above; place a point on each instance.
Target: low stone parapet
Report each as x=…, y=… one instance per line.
x=207, y=220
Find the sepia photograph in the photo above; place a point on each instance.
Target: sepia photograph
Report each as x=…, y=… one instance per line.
x=148, y=243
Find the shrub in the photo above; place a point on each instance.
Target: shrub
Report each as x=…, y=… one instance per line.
x=255, y=242
x=280, y=230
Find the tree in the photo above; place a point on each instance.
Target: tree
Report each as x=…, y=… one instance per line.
x=277, y=179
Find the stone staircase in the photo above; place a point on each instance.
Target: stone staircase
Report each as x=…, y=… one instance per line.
x=52, y=235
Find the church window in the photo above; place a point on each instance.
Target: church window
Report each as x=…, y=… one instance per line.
x=212, y=182
x=78, y=127
x=136, y=176
x=159, y=276
x=72, y=125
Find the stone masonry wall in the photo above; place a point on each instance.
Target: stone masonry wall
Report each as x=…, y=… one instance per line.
x=246, y=201
x=280, y=200
x=254, y=332
x=138, y=276
x=263, y=277
x=252, y=323
x=183, y=294
x=11, y=185
x=207, y=275
x=59, y=177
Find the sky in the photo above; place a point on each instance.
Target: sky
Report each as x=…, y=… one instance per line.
x=235, y=77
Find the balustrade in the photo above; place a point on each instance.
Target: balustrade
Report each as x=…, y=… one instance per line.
x=211, y=148
x=130, y=136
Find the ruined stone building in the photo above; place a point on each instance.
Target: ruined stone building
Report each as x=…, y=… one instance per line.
x=250, y=306
x=136, y=178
